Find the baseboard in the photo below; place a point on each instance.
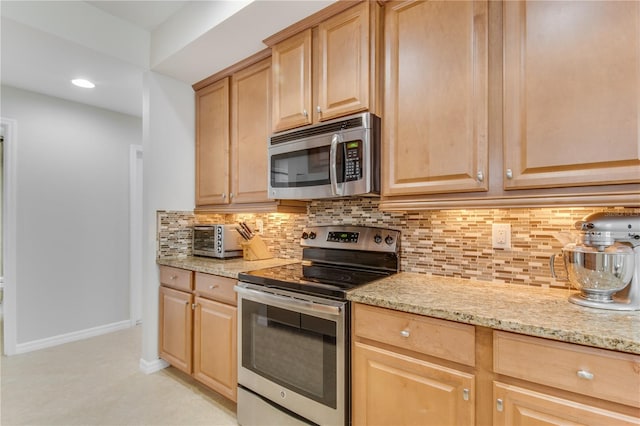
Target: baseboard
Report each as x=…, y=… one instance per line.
x=148, y=367
x=71, y=337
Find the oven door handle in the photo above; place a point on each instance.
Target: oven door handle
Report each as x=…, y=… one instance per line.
x=288, y=302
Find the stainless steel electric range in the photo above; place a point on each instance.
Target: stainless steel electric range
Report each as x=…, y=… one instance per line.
x=293, y=326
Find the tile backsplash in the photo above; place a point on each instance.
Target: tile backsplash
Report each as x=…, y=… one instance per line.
x=454, y=243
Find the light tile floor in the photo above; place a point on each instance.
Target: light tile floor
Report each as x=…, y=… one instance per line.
x=97, y=382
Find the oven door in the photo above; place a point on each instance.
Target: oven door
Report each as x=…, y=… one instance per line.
x=292, y=353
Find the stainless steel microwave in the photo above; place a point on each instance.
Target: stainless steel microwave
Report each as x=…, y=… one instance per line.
x=337, y=158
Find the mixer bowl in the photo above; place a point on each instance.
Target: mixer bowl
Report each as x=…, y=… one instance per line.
x=599, y=274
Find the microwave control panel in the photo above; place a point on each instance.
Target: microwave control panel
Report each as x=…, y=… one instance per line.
x=352, y=160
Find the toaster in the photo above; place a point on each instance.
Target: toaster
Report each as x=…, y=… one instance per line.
x=219, y=241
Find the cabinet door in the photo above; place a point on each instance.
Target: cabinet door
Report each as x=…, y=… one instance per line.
x=176, y=323
x=343, y=80
x=214, y=360
x=435, y=115
x=394, y=389
x=212, y=144
x=571, y=93
x=516, y=406
x=291, y=61
x=251, y=127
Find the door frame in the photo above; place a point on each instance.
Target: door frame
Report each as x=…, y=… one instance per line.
x=9, y=245
x=135, y=233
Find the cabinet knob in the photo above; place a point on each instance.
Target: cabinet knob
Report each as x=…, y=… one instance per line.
x=319, y=109
x=224, y=195
x=584, y=374
x=499, y=405
x=465, y=394
x=480, y=176
x=231, y=195
x=305, y=113
x=174, y=277
x=405, y=333
x=211, y=287
x=509, y=174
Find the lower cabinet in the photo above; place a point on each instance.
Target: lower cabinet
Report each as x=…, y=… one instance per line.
x=394, y=384
x=545, y=382
x=410, y=369
x=198, y=328
x=175, y=340
x=517, y=406
x=214, y=346
x=394, y=389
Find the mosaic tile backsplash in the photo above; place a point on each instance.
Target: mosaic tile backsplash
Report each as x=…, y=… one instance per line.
x=455, y=243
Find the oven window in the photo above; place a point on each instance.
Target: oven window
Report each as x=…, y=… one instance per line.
x=295, y=350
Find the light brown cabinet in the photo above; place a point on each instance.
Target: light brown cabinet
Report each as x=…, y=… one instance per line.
x=393, y=383
x=328, y=71
x=511, y=104
x=435, y=114
x=517, y=406
x=233, y=119
x=410, y=369
x=212, y=144
x=214, y=346
x=250, y=124
x=198, y=327
x=233, y=123
x=580, y=385
x=571, y=93
x=175, y=339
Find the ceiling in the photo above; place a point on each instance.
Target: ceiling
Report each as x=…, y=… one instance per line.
x=45, y=44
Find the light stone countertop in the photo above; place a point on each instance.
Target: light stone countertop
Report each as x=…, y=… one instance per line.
x=229, y=268
x=522, y=309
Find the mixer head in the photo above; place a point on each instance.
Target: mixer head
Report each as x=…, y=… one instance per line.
x=603, y=229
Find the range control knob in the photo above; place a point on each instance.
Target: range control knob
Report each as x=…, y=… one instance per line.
x=389, y=240
x=312, y=235
x=377, y=239
x=305, y=235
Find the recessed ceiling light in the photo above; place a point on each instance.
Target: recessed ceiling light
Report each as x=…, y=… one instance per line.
x=81, y=82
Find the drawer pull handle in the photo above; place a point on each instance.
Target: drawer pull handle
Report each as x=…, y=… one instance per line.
x=405, y=333
x=583, y=374
x=499, y=405
x=211, y=287
x=465, y=394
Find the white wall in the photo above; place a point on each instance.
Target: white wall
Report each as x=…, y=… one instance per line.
x=72, y=205
x=169, y=183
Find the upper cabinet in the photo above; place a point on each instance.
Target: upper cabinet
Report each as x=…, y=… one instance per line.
x=250, y=123
x=435, y=113
x=327, y=71
x=511, y=104
x=212, y=143
x=571, y=93
x=233, y=123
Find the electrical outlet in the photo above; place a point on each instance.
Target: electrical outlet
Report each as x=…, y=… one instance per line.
x=501, y=235
x=259, y=226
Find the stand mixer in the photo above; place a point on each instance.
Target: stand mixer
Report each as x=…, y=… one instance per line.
x=605, y=264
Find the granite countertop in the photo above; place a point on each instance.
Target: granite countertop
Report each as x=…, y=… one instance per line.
x=522, y=309
x=229, y=268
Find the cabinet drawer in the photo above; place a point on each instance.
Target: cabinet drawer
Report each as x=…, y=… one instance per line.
x=180, y=279
x=600, y=373
x=216, y=288
x=444, y=339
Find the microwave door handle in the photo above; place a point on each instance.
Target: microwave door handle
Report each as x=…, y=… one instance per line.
x=333, y=168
